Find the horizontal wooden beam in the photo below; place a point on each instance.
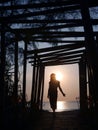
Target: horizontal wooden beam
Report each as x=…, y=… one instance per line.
x=63, y=56
x=58, y=57
x=58, y=61
x=57, y=54
x=67, y=34
x=78, y=21
x=42, y=13
x=40, y=21
x=44, y=4
x=59, y=41
x=64, y=63
x=55, y=48
x=32, y=30
x=59, y=7
x=47, y=33
x=40, y=5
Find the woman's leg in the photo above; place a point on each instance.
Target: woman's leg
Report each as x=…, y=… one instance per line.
x=53, y=103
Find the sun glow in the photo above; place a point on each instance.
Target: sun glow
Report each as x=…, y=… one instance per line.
x=59, y=76
x=60, y=105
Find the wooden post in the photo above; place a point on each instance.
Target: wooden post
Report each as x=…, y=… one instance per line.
x=36, y=84
x=39, y=85
x=91, y=89
x=2, y=71
x=90, y=47
x=83, y=86
x=42, y=87
x=33, y=81
x=16, y=71
x=24, y=73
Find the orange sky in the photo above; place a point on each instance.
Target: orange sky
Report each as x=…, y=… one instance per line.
x=69, y=81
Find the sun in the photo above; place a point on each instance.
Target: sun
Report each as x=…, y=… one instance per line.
x=59, y=76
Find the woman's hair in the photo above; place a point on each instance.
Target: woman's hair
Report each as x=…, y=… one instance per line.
x=52, y=76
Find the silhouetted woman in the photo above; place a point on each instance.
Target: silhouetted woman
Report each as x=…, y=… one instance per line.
x=52, y=91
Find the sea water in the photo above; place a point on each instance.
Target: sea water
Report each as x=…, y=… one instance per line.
x=62, y=106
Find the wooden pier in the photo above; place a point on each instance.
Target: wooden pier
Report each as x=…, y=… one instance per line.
x=45, y=120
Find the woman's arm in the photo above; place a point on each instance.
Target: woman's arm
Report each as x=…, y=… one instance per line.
x=61, y=90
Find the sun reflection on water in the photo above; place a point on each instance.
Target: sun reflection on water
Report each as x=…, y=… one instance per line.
x=61, y=105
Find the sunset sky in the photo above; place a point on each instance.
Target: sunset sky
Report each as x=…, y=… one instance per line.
x=69, y=81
